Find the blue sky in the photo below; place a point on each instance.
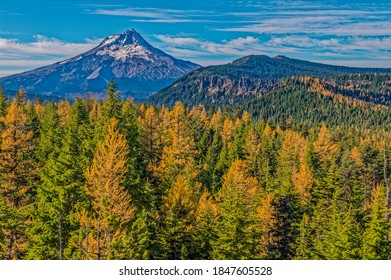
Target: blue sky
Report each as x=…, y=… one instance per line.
x=354, y=33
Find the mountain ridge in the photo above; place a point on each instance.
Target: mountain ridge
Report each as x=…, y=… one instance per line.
x=245, y=78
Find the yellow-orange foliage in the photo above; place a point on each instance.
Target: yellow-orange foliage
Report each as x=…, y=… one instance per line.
x=181, y=202
x=63, y=111
x=217, y=120
x=227, y=131
x=324, y=146
x=110, y=200
x=199, y=113
x=16, y=171
x=268, y=131
x=246, y=116
x=355, y=155
x=293, y=162
x=293, y=148
x=238, y=180
x=317, y=86
x=292, y=165
x=268, y=223
x=178, y=154
x=165, y=119
x=206, y=205
x=16, y=142
x=303, y=181
x=39, y=109
x=252, y=144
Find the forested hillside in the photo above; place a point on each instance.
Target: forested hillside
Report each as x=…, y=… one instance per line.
x=114, y=180
x=254, y=76
x=361, y=101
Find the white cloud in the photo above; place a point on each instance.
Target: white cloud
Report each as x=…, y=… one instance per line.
x=155, y=14
x=16, y=56
x=381, y=63
x=207, y=52
x=347, y=45
x=313, y=18
x=43, y=45
x=25, y=63
x=236, y=46
x=373, y=44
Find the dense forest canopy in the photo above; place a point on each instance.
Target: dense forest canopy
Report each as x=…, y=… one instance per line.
x=114, y=180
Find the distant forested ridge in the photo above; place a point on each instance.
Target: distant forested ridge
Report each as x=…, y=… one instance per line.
x=113, y=180
x=257, y=75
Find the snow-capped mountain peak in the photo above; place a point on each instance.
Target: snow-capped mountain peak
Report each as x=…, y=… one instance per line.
x=129, y=37
x=138, y=67
x=126, y=45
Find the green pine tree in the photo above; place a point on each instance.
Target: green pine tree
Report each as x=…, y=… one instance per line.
x=375, y=245
x=236, y=229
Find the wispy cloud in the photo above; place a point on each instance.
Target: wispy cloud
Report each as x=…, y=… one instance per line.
x=321, y=30
x=375, y=49
x=8, y=13
x=43, y=45
x=236, y=46
x=315, y=25
x=154, y=14
x=351, y=45
x=16, y=56
x=6, y=32
x=317, y=18
x=207, y=52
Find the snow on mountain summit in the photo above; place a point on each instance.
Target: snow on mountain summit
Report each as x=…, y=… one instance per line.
x=139, y=69
x=129, y=37
x=129, y=44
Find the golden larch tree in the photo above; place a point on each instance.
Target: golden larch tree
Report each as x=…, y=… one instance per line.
x=217, y=119
x=16, y=175
x=179, y=151
x=227, y=131
x=324, y=146
x=63, y=111
x=292, y=169
x=268, y=223
x=111, y=203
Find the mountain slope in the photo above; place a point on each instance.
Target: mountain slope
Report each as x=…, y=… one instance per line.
x=138, y=68
x=309, y=101
x=243, y=79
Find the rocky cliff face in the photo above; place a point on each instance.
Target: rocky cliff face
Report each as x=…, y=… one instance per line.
x=213, y=89
x=138, y=68
x=243, y=86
